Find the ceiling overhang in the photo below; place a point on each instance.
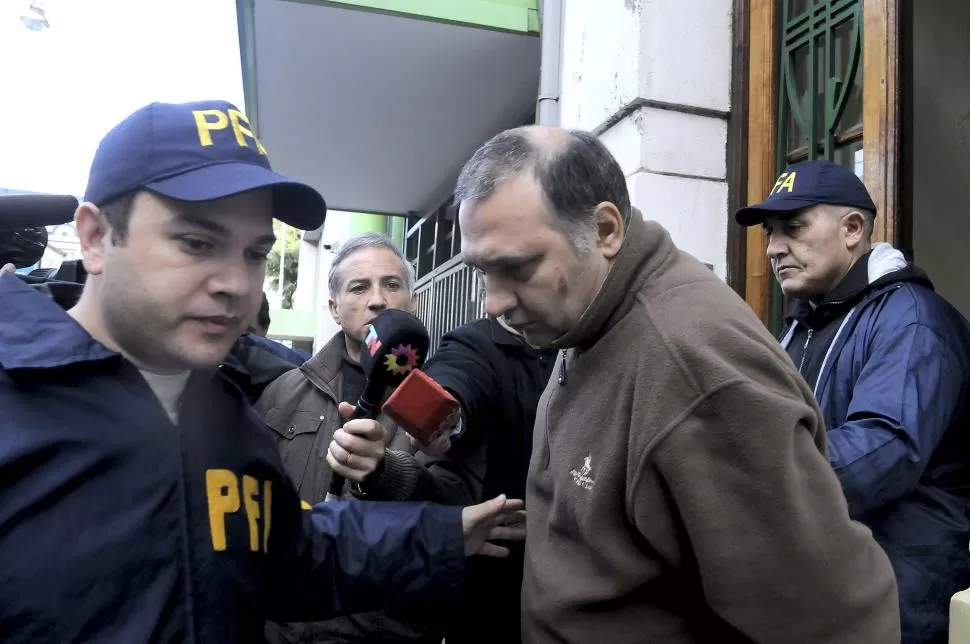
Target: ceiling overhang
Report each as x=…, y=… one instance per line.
x=379, y=110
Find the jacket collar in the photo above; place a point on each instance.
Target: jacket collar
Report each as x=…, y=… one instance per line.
x=646, y=250
x=883, y=265
x=36, y=333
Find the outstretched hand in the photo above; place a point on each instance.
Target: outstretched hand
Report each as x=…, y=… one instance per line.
x=499, y=519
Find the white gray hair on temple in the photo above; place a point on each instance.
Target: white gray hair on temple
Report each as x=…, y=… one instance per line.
x=360, y=242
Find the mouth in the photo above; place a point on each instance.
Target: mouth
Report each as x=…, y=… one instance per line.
x=218, y=324
x=782, y=270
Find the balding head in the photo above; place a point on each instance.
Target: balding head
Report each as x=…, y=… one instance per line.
x=573, y=168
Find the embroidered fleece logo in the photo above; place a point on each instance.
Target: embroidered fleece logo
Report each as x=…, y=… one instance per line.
x=583, y=476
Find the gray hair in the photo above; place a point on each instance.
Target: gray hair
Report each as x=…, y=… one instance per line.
x=575, y=177
x=360, y=242
x=868, y=215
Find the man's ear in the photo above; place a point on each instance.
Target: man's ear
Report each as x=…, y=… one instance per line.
x=609, y=229
x=334, y=311
x=94, y=233
x=854, y=228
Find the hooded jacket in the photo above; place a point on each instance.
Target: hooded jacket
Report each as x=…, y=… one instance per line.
x=679, y=490
x=892, y=375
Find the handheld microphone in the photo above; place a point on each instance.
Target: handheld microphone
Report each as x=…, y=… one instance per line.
x=397, y=343
x=420, y=405
x=32, y=211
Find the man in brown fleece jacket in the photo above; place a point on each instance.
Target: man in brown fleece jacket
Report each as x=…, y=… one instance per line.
x=679, y=490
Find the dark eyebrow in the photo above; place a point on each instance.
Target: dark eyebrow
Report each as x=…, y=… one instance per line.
x=502, y=261
x=197, y=220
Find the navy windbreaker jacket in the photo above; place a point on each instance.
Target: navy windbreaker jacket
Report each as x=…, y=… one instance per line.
x=118, y=526
x=893, y=389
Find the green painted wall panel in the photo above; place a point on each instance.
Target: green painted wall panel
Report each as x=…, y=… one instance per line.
x=521, y=16
x=396, y=229
x=290, y=324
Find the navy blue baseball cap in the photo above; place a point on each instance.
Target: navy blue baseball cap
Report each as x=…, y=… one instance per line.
x=809, y=183
x=195, y=152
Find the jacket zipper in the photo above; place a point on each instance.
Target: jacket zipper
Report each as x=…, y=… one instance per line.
x=801, y=363
x=562, y=369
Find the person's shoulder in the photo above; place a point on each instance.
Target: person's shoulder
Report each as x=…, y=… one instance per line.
x=478, y=330
x=289, y=385
x=695, y=323
x=914, y=303
x=690, y=302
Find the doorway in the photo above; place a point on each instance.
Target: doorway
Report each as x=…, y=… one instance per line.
x=936, y=143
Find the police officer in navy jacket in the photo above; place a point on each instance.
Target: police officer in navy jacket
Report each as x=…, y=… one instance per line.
x=140, y=501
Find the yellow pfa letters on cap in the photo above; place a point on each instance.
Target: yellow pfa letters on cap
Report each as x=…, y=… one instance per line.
x=209, y=121
x=785, y=182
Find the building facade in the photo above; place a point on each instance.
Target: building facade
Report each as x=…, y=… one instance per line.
x=703, y=103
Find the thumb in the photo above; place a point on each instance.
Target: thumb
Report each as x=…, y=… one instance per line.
x=7, y=268
x=346, y=410
x=489, y=509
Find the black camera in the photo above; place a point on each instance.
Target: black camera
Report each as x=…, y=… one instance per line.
x=23, y=240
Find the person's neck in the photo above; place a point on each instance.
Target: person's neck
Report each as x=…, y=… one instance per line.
x=353, y=347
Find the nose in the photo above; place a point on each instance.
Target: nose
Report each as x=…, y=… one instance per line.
x=235, y=278
x=499, y=300
x=777, y=247
x=377, y=300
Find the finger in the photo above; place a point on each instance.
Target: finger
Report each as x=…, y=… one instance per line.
x=349, y=473
x=359, y=446
x=7, y=268
x=507, y=533
x=340, y=453
x=346, y=410
x=512, y=519
x=369, y=429
x=487, y=511
x=492, y=550
x=513, y=505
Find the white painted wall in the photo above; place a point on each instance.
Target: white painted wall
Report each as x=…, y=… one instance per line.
x=657, y=74
x=312, y=292
x=941, y=145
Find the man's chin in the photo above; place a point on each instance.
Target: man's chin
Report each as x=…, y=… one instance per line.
x=538, y=337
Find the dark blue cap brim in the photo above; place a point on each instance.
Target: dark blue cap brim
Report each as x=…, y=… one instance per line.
x=755, y=215
x=295, y=204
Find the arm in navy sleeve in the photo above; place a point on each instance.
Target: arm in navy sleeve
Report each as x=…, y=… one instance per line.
x=349, y=557
x=460, y=365
x=908, y=393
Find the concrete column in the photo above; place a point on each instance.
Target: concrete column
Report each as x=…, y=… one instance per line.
x=653, y=78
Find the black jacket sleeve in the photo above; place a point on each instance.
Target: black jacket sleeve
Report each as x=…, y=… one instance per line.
x=462, y=366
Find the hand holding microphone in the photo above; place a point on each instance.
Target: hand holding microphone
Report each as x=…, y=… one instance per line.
x=357, y=449
x=396, y=344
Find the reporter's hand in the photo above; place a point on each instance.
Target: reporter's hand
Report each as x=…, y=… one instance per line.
x=501, y=519
x=357, y=448
x=7, y=268
x=439, y=442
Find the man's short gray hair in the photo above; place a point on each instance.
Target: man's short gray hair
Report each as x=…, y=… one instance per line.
x=360, y=242
x=575, y=177
x=868, y=215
